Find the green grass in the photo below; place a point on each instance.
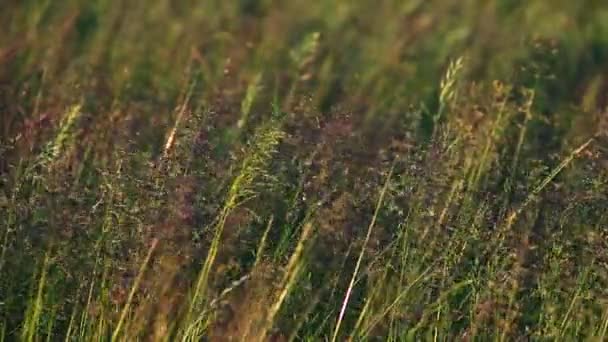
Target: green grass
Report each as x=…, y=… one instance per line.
x=294, y=170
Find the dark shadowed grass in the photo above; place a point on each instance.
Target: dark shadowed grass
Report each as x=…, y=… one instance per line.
x=257, y=170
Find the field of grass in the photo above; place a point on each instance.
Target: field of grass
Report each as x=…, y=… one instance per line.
x=242, y=170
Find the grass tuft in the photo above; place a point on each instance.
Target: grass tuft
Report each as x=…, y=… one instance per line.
x=286, y=171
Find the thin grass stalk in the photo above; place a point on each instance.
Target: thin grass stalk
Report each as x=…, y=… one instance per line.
x=360, y=258
x=33, y=315
x=134, y=289
x=293, y=270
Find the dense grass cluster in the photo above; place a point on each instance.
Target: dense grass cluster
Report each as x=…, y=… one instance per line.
x=303, y=170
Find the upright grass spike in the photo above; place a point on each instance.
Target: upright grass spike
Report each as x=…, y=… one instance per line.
x=303, y=53
x=301, y=56
x=447, y=87
x=252, y=91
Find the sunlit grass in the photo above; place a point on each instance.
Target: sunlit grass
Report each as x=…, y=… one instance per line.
x=330, y=170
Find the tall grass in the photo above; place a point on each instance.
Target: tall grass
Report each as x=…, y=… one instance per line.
x=242, y=170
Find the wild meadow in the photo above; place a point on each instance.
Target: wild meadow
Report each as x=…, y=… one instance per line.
x=330, y=170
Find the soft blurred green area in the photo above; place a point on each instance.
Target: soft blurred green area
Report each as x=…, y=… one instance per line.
x=386, y=53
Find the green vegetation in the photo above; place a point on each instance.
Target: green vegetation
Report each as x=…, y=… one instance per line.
x=303, y=170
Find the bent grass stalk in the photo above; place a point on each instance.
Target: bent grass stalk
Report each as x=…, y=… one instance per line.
x=534, y=194
x=252, y=167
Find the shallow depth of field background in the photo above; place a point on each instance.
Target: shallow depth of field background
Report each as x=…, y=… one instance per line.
x=303, y=170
